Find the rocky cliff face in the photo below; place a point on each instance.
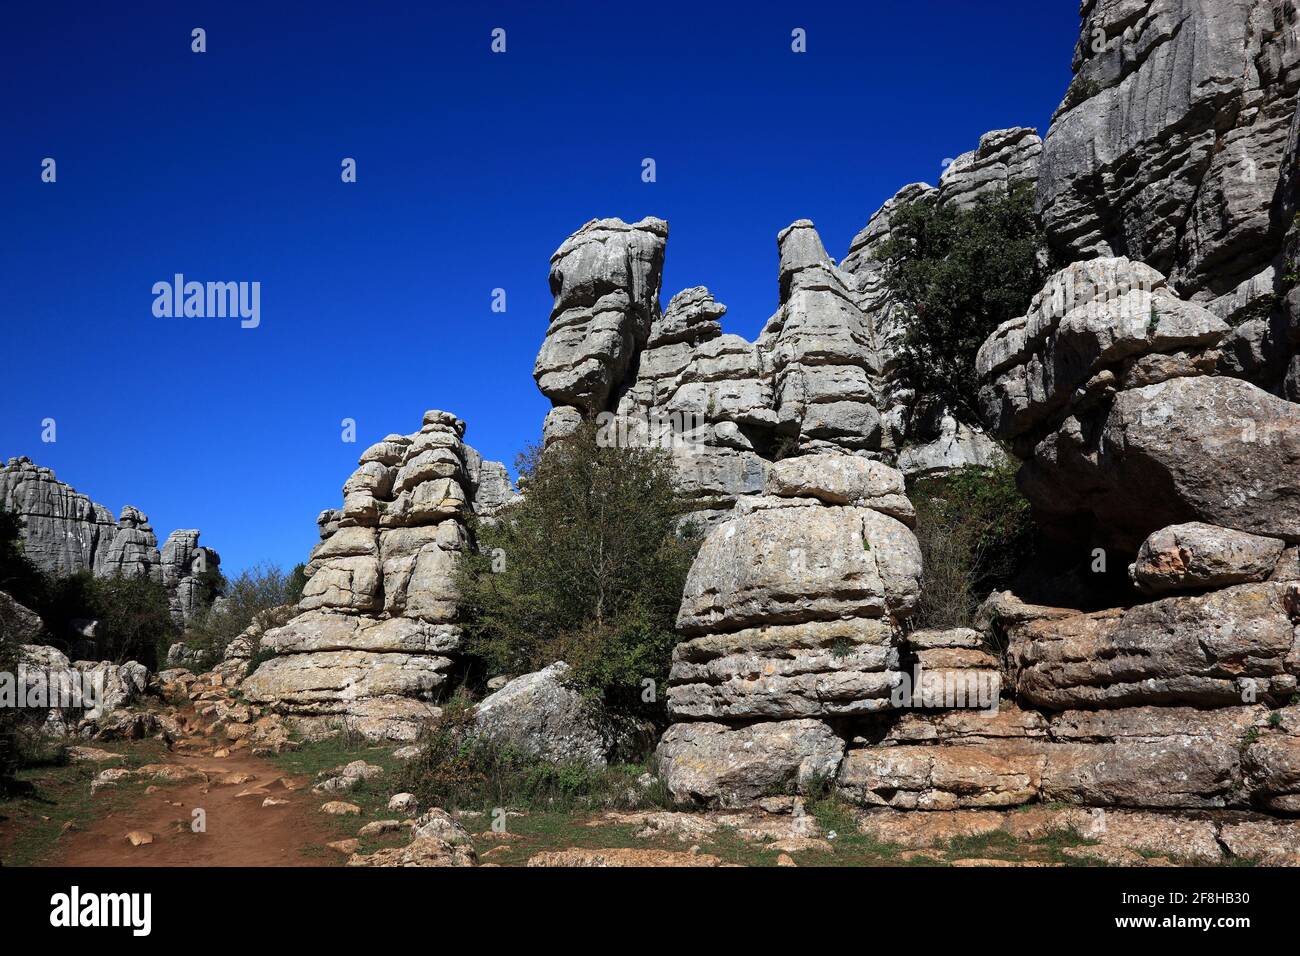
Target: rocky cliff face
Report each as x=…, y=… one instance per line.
x=1150, y=392
x=1176, y=146
x=64, y=532
x=820, y=376
x=375, y=634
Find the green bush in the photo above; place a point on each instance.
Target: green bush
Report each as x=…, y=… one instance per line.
x=957, y=275
x=457, y=770
x=135, y=621
x=19, y=577
x=587, y=568
x=8, y=715
x=259, y=588
x=976, y=535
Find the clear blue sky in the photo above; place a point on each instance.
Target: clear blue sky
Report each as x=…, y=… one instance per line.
x=472, y=168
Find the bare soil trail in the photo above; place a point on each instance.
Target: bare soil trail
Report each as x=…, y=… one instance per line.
x=239, y=829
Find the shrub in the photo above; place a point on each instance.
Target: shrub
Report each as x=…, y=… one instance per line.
x=133, y=614
x=457, y=769
x=588, y=567
x=19, y=577
x=976, y=534
x=957, y=275
x=8, y=715
x=259, y=588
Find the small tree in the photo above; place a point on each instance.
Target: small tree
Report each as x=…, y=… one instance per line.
x=19, y=577
x=134, y=619
x=8, y=715
x=588, y=567
x=957, y=274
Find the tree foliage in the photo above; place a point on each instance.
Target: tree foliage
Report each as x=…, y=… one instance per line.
x=134, y=620
x=957, y=274
x=588, y=568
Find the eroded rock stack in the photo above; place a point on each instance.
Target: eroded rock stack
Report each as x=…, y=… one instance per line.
x=375, y=634
x=64, y=532
x=820, y=376
x=791, y=611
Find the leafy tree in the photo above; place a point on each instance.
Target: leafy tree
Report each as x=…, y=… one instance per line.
x=19, y=577
x=957, y=275
x=588, y=567
x=297, y=581
x=8, y=715
x=134, y=619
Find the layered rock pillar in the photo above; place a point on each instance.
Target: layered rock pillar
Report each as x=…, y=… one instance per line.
x=375, y=634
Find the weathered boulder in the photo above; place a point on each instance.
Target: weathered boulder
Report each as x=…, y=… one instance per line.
x=1196, y=555
x=717, y=765
x=781, y=562
x=1154, y=757
x=18, y=624
x=64, y=698
x=540, y=715
x=1095, y=325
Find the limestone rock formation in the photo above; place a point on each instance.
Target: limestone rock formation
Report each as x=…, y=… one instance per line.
x=376, y=630
x=820, y=376
x=1169, y=144
x=1108, y=386
x=712, y=763
x=64, y=532
x=605, y=279
x=791, y=611
x=64, y=698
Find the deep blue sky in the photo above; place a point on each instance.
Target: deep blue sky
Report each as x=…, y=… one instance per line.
x=472, y=169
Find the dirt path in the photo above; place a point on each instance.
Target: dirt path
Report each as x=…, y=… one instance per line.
x=240, y=831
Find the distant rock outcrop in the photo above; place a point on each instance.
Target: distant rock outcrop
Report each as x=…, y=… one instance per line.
x=64, y=532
